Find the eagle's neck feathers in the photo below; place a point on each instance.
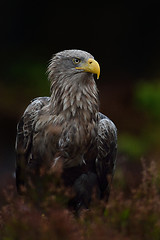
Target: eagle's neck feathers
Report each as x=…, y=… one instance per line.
x=72, y=98
x=73, y=109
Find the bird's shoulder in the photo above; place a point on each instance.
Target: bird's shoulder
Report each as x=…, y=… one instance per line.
x=36, y=105
x=29, y=117
x=106, y=128
x=33, y=110
x=107, y=137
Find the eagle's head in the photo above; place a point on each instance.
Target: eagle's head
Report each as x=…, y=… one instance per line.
x=73, y=88
x=73, y=65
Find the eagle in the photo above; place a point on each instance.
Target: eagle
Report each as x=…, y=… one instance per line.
x=68, y=128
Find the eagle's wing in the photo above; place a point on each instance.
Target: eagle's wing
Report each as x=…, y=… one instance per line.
x=107, y=149
x=23, y=145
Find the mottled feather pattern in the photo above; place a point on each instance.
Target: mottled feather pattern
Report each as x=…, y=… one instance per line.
x=68, y=127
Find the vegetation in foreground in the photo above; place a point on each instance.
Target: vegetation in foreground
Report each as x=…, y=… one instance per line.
x=133, y=216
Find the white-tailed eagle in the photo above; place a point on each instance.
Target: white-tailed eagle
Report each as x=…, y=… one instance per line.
x=68, y=127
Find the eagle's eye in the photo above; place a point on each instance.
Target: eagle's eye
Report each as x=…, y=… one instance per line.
x=76, y=60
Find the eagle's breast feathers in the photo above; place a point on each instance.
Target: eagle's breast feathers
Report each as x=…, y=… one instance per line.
x=67, y=126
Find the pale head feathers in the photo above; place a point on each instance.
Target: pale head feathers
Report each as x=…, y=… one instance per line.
x=72, y=91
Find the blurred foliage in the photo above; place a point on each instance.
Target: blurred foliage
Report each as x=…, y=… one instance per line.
x=135, y=217
x=134, y=146
x=24, y=80
x=30, y=74
x=147, y=96
x=146, y=99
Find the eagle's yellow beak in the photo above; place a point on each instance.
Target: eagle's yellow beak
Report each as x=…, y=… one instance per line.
x=91, y=66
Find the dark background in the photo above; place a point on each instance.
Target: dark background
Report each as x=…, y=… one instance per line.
x=123, y=38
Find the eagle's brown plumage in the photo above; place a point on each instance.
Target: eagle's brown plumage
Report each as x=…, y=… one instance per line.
x=68, y=127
